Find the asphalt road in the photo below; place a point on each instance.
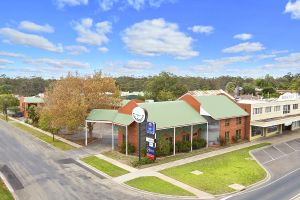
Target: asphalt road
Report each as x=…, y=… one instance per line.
x=283, y=163
x=37, y=171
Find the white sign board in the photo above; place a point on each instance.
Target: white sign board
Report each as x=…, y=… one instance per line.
x=138, y=114
x=151, y=140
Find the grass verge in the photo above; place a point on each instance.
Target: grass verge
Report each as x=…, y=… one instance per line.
x=57, y=143
x=104, y=166
x=4, y=193
x=4, y=118
x=220, y=171
x=157, y=185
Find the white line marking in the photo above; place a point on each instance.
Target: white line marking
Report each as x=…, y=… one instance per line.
x=291, y=147
x=295, y=197
x=279, y=150
x=269, y=155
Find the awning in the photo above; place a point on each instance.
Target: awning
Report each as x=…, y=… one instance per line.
x=287, y=121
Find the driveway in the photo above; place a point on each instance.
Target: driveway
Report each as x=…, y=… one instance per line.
x=283, y=163
x=39, y=172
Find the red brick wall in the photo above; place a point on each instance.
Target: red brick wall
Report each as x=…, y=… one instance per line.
x=232, y=128
x=127, y=109
x=247, y=108
x=191, y=101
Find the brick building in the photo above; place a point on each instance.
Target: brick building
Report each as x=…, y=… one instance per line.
x=26, y=102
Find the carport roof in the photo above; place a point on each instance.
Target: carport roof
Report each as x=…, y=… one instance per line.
x=33, y=100
x=110, y=116
x=171, y=114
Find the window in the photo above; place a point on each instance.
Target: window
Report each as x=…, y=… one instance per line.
x=272, y=129
x=170, y=140
x=238, y=120
x=257, y=111
x=186, y=137
x=227, y=136
x=226, y=122
x=195, y=134
x=268, y=109
x=286, y=109
x=276, y=108
x=295, y=106
x=255, y=130
x=238, y=134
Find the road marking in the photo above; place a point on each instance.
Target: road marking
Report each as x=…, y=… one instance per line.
x=279, y=150
x=291, y=147
x=295, y=197
x=269, y=154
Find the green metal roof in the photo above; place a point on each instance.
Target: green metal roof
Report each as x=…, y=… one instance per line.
x=170, y=114
x=33, y=100
x=110, y=116
x=102, y=115
x=220, y=107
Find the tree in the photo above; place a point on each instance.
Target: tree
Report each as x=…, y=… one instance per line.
x=295, y=85
x=8, y=100
x=165, y=86
x=6, y=89
x=248, y=88
x=269, y=92
x=33, y=115
x=69, y=100
x=230, y=86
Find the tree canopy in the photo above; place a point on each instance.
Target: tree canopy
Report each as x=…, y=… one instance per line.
x=69, y=100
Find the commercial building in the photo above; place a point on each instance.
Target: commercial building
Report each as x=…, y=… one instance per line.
x=269, y=117
x=27, y=102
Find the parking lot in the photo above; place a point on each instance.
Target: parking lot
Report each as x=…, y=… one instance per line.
x=281, y=158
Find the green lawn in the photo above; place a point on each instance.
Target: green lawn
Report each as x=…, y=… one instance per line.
x=104, y=166
x=58, y=144
x=3, y=117
x=4, y=193
x=220, y=171
x=154, y=184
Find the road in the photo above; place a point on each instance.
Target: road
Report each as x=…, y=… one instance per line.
x=37, y=171
x=283, y=163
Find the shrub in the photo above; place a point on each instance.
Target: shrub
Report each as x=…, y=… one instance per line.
x=199, y=143
x=163, y=147
x=223, y=142
x=183, y=146
x=131, y=148
x=143, y=161
x=235, y=138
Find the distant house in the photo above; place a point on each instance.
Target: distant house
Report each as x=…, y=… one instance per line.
x=26, y=102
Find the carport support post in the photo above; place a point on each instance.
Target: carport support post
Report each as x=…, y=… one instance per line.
x=112, y=136
x=174, y=140
x=86, y=130
x=192, y=138
x=126, y=140
x=207, y=135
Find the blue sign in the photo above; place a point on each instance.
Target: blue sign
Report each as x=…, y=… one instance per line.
x=150, y=128
x=151, y=150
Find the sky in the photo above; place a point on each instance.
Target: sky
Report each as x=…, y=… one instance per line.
x=207, y=38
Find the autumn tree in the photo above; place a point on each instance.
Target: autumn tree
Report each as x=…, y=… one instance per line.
x=69, y=100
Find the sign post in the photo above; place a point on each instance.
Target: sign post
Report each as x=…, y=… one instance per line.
x=151, y=140
x=139, y=115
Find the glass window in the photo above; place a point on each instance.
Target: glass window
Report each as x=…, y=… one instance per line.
x=226, y=136
x=295, y=106
x=186, y=137
x=272, y=129
x=238, y=133
x=238, y=120
x=226, y=122
x=268, y=109
x=276, y=108
x=255, y=130
x=257, y=111
x=286, y=109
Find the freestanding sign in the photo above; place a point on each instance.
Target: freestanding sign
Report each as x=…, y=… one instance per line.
x=139, y=115
x=150, y=128
x=151, y=140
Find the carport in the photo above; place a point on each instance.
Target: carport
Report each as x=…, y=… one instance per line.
x=112, y=117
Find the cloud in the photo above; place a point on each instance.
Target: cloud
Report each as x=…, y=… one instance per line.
x=10, y=54
x=244, y=47
x=63, y=63
x=31, y=26
x=265, y=56
x=76, y=49
x=5, y=62
x=92, y=37
x=293, y=57
x=32, y=40
x=243, y=36
x=138, y=65
x=279, y=51
x=157, y=37
x=63, y=3
x=106, y=5
x=213, y=65
x=293, y=8
x=103, y=49
x=202, y=29
x=140, y=4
